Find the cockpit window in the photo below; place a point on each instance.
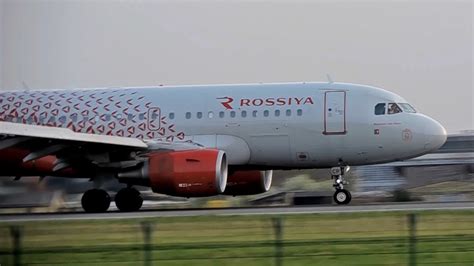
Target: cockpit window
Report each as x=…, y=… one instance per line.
x=393, y=108
x=407, y=108
x=380, y=109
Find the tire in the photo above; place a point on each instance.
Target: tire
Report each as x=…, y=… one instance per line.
x=128, y=200
x=95, y=201
x=342, y=196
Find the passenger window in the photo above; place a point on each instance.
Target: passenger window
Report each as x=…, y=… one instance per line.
x=188, y=115
x=199, y=115
x=299, y=112
x=277, y=112
x=266, y=113
x=254, y=113
x=171, y=115
x=232, y=114
x=288, y=112
x=210, y=114
x=380, y=109
x=221, y=114
x=393, y=108
x=244, y=114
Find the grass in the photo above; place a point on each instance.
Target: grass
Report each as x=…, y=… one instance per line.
x=443, y=237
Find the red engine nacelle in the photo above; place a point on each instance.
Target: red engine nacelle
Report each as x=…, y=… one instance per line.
x=12, y=164
x=196, y=173
x=248, y=182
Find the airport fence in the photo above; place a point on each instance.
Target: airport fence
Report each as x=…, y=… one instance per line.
x=392, y=238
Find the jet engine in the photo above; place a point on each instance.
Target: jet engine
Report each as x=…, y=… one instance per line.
x=248, y=182
x=194, y=173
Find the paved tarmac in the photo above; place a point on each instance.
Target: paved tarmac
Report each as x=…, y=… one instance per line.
x=237, y=211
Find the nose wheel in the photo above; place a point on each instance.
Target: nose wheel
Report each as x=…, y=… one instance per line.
x=341, y=196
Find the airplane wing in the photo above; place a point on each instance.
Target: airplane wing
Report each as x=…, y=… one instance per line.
x=80, y=150
x=65, y=134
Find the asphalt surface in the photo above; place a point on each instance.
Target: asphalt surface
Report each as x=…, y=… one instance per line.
x=237, y=211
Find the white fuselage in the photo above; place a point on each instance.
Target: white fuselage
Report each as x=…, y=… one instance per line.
x=294, y=125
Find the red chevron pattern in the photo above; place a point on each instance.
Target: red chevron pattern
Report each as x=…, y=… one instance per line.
x=101, y=111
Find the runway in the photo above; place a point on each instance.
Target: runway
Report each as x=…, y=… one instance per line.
x=238, y=211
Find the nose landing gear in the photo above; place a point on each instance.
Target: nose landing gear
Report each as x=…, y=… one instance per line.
x=341, y=196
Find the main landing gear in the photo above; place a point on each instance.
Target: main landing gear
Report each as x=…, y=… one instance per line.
x=128, y=200
x=98, y=200
x=341, y=196
x=95, y=200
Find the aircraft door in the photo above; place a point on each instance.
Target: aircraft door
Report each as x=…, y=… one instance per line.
x=335, y=113
x=154, y=118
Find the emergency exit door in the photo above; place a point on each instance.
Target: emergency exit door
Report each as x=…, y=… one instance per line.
x=154, y=118
x=335, y=113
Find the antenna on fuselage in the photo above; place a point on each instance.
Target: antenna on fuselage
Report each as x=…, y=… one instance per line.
x=25, y=86
x=330, y=81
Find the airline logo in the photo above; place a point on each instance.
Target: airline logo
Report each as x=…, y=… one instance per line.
x=229, y=102
x=226, y=102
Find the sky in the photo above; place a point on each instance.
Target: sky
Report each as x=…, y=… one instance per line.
x=421, y=50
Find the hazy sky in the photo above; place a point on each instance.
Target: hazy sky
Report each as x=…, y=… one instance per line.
x=422, y=50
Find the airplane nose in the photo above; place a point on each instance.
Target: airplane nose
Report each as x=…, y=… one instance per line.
x=435, y=135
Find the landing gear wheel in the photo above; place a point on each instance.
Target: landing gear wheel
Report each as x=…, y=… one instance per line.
x=128, y=200
x=342, y=196
x=95, y=200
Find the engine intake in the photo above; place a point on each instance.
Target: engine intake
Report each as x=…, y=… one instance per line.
x=248, y=182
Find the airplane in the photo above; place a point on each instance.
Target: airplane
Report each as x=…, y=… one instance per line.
x=206, y=140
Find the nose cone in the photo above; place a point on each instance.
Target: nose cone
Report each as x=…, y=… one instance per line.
x=435, y=135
